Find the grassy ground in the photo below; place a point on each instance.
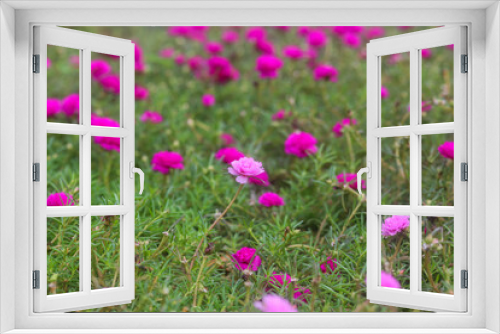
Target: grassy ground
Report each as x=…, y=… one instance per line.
x=320, y=219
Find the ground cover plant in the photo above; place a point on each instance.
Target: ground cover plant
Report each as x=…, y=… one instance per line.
x=250, y=138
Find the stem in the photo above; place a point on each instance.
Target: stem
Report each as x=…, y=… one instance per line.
x=428, y=272
x=349, y=146
x=197, y=282
x=398, y=246
x=351, y=216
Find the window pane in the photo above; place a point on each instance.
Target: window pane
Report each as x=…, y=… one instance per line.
x=63, y=84
x=437, y=254
x=437, y=169
x=63, y=170
x=395, y=248
x=395, y=90
x=105, y=252
x=437, y=84
x=395, y=170
x=63, y=255
x=105, y=90
x=105, y=171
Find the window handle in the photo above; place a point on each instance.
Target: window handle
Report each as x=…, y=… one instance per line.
x=139, y=171
x=368, y=171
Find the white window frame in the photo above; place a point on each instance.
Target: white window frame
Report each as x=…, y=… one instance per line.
x=484, y=103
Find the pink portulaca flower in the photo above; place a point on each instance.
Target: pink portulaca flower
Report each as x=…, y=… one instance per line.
x=53, y=107
x=164, y=161
x=228, y=155
x=384, y=92
x=246, y=258
x=351, y=40
x=221, y=70
x=208, y=100
x=74, y=61
x=139, y=58
x=350, y=180
x=107, y=143
x=141, y=93
x=278, y=281
x=60, y=199
x=426, y=53
x=71, y=105
x=274, y=303
x=280, y=114
x=375, y=32
x=256, y=33
x=447, y=150
x=180, y=59
x=227, y=139
x=268, y=66
x=260, y=180
x=245, y=168
x=395, y=224
x=111, y=83
x=339, y=126
x=49, y=63
x=213, y=48
x=293, y=52
x=264, y=46
x=326, y=72
x=388, y=281
x=230, y=37
x=303, y=31
x=271, y=199
x=99, y=68
x=167, y=53
x=329, y=266
x=316, y=39
x=301, y=144
x=152, y=117
x=341, y=30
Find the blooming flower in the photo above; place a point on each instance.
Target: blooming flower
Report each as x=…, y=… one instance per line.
x=213, y=48
x=141, y=93
x=375, y=32
x=60, y=199
x=447, y=150
x=49, y=63
x=280, y=114
x=180, y=59
x=71, y=105
x=388, y=281
x=384, y=92
x=230, y=36
x=139, y=58
x=151, y=116
x=221, y=70
x=264, y=46
x=227, y=139
x=268, y=66
x=271, y=199
x=329, y=266
x=326, y=72
x=426, y=53
x=208, y=100
x=167, y=53
x=244, y=168
x=303, y=31
x=277, y=281
x=301, y=144
x=292, y=52
x=349, y=179
x=228, y=155
x=341, y=30
x=111, y=83
x=339, y=126
x=107, y=143
x=351, y=40
x=53, y=107
x=395, y=224
x=255, y=33
x=261, y=180
x=274, y=303
x=99, y=68
x=316, y=38
x=164, y=161
x=246, y=258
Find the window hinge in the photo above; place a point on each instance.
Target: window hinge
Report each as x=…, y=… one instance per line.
x=36, y=172
x=465, y=64
x=465, y=279
x=36, y=63
x=36, y=279
x=464, y=171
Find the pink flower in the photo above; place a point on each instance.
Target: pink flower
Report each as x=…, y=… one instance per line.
x=180, y=59
x=99, y=68
x=49, y=63
x=197, y=65
x=245, y=258
x=230, y=37
x=349, y=179
x=111, y=83
x=74, y=60
x=339, y=126
x=277, y=281
x=351, y=40
x=271, y=199
x=450, y=47
x=326, y=72
x=375, y=32
x=167, y=53
x=213, y=48
x=329, y=266
x=316, y=38
x=426, y=53
x=274, y=303
x=60, y=199
x=228, y=155
x=447, y=150
x=139, y=58
x=292, y=52
x=256, y=33
x=283, y=28
x=301, y=144
x=395, y=58
x=384, y=92
x=395, y=224
x=151, y=116
x=208, y=100
x=341, y=30
x=245, y=168
x=260, y=180
x=264, y=46
x=227, y=139
x=103, y=121
x=268, y=66
x=164, y=161
x=141, y=93
x=53, y=107
x=280, y=114
x=221, y=71
x=303, y=31
x=71, y=105
x=107, y=143
x=388, y=281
